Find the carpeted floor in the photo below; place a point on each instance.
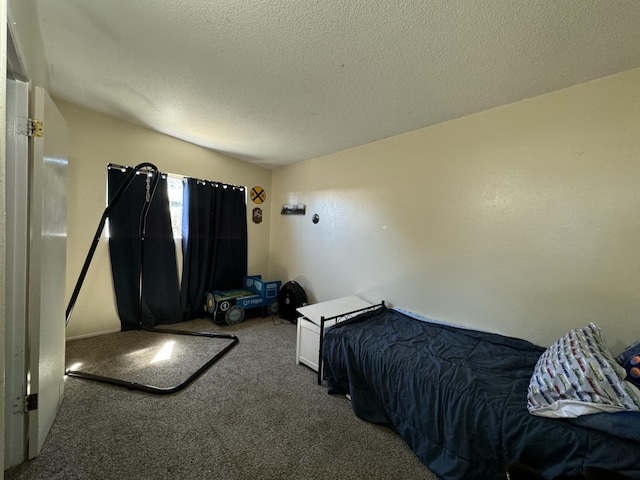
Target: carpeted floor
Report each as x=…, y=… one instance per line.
x=253, y=415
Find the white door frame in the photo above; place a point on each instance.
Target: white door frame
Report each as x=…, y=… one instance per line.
x=17, y=237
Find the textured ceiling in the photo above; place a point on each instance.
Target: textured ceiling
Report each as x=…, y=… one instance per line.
x=279, y=81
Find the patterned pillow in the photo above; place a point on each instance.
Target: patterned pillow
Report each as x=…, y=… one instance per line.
x=577, y=375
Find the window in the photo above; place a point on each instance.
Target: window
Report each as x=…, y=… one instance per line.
x=175, y=187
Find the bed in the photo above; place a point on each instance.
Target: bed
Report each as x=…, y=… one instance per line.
x=458, y=398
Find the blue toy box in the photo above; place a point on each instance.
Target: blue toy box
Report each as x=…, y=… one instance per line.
x=231, y=306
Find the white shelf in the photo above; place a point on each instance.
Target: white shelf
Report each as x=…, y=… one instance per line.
x=308, y=327
x=332, y=308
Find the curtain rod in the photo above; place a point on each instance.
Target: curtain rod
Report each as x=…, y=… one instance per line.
x=124, y=167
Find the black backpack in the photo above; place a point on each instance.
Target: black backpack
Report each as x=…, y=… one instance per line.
x=291, y=296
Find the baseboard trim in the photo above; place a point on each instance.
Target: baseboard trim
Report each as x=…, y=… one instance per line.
x=88, y=335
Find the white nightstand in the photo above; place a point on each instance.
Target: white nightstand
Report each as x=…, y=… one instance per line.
x=308, y=339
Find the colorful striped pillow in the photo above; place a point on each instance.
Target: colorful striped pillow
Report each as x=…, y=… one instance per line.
x=577, y=375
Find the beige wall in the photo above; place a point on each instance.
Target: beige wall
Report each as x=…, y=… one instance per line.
x=523, y=220
x=97, y=140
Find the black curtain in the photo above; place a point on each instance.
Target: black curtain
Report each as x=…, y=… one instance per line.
x=214, y=242
x=160, y=288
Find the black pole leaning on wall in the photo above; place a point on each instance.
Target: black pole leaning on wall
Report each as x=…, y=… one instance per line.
x=96, y=238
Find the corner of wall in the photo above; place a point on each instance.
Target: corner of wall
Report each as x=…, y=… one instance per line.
x=25, y=25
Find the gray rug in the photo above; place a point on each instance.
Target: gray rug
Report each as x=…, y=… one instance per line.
x=253, y=415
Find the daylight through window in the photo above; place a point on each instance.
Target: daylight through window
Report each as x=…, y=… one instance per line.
x=175, y=187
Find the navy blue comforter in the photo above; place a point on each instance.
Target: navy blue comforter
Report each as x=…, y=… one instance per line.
x=459, y=399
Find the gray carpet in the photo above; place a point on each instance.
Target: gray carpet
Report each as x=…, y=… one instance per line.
x=254, y=415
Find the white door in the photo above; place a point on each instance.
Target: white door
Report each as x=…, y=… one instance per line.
x=47, y=267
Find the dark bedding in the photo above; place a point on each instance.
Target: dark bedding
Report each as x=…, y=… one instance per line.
x=459, y=399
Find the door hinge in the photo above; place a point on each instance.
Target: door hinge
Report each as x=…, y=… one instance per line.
x=36, y=128
x=29, y=127
x=31, y=402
